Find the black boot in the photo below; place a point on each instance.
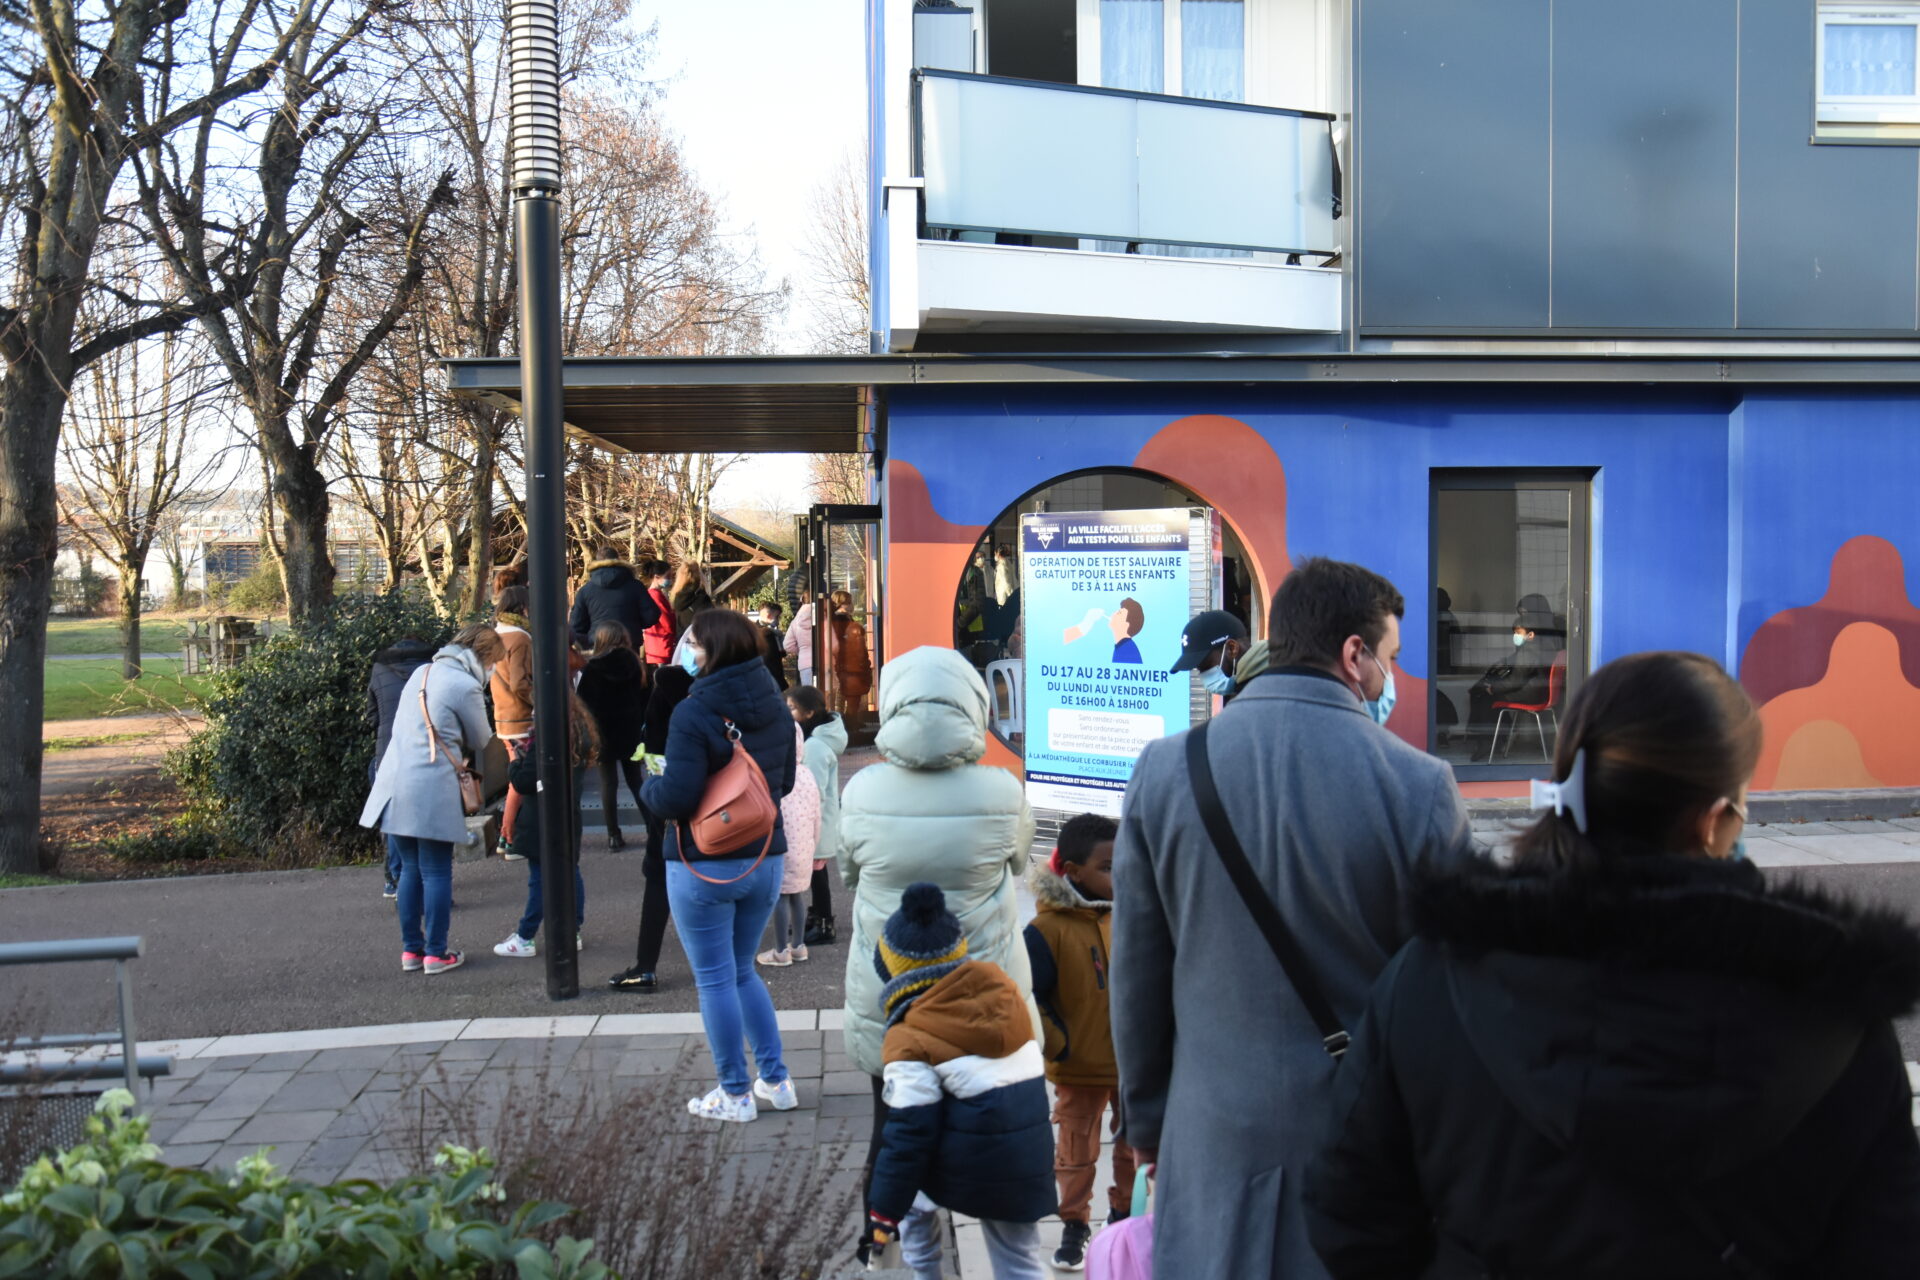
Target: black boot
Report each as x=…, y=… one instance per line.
x=821, y=932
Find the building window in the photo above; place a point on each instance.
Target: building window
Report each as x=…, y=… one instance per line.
x=1508, y=638
x=1866, y=64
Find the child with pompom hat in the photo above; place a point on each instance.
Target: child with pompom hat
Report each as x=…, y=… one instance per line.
x=967, y=1124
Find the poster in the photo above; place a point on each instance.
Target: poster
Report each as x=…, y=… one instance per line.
x=1105, y=596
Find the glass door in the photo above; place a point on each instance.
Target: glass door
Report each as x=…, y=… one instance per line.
x=1508, y=638
x=842, y=580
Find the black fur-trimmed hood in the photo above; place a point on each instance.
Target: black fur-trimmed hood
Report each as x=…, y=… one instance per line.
x=1660, y=1009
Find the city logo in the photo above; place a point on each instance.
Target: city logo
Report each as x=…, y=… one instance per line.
x=1043, y=533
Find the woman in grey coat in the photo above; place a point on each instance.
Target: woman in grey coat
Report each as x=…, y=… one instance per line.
x=442, y=716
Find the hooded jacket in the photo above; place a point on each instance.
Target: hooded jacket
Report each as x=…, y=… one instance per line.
x=612, y=593
x=415, y=792
x=930, y=811
x=1630, y=1071
x=664, y=632
x=614, y=688
x=966, y=1103
x=391, y=667
x=821, y=754
x=698, y=747
x=800, y=816
x=1069, y=946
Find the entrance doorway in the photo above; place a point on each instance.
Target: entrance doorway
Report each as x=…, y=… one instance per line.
x=840, y=546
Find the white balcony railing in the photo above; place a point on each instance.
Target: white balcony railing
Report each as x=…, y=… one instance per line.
x=1029, y=158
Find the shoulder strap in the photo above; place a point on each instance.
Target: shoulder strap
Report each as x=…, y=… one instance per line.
x=1213, y=815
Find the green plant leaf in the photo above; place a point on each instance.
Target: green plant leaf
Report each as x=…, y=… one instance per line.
x=532, y=1262
x=23, y=1258
x=91, y=1241
x=532, y=1217
x=70, y=1201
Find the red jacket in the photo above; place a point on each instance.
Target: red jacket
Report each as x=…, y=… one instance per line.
x=662, y=634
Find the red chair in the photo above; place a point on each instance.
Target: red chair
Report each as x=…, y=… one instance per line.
x=1556, y=685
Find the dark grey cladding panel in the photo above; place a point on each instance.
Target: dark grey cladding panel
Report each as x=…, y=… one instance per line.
x=1454, y=149
x=1826, y=233
x=1643, y=163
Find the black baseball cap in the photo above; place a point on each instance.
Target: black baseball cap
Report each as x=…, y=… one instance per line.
x=1207, y=632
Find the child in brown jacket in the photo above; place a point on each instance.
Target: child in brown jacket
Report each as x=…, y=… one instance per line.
x=1068, y=945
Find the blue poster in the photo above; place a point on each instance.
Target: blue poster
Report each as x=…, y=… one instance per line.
x=1104, y=596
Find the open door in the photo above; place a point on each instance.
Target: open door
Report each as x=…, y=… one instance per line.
x=842, y=551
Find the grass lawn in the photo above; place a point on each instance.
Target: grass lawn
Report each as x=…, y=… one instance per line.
x=11, y=881
x=159, y=633
x=82, y=690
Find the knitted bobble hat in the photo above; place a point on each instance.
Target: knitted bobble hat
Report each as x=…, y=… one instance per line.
x=921, y=944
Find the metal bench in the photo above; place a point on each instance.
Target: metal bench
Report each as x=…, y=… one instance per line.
x=129, y=1066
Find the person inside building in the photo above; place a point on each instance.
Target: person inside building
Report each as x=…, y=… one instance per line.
x=1524, y=679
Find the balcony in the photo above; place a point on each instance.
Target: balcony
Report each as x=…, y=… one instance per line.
x=1061, y=208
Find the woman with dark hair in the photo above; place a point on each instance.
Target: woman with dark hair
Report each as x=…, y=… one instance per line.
x=614, y=688
x=1629, y=1054
x=722, y=903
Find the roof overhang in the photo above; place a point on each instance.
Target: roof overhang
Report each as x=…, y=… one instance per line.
x=821, y=404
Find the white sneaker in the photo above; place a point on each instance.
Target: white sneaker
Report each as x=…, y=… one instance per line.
x=516, y=946
x=775, y=959
x=780, y=1097
x=798, y=953
x=721, y=1105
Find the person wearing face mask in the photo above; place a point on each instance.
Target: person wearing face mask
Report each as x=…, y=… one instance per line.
x=1213, y=644
x=1332, y=814
x=1629, y=1053
x=1524, y=679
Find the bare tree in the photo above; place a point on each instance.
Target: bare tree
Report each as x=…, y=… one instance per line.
x=836, y=289
x=126, y=451
x=75, y=73
x=328, y=179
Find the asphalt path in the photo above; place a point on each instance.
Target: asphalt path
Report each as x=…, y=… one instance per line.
x=284, y=951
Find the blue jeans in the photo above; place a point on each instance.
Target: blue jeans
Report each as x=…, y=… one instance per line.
x=536, y=900
x=426, y=888
x=393, y=859
x=720, y=927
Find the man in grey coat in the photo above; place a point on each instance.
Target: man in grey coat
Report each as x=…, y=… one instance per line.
x=1224, y=1079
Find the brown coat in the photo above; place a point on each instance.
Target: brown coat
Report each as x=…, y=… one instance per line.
x=1069, y=945
x=512, y=685
x=975, y=1010
x=851, y=661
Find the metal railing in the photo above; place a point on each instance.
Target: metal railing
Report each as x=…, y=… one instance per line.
x=1026, y=157
x=129, y=1066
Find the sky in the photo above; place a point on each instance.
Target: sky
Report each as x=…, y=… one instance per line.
x=765, y=97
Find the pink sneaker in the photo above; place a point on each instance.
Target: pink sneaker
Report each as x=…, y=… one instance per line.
x=440, y=964
x=410, y=961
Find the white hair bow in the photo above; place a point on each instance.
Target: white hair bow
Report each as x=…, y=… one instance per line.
x=1569, y=796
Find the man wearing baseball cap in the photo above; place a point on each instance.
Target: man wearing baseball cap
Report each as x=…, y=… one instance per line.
x=1212, y=644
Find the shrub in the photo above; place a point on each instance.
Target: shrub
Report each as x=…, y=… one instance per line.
x=288, y=736
x=184, y=840
x=109, y=1207
x=261, y=591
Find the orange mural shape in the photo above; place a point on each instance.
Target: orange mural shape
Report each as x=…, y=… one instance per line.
x=1867, y=583
x=1854, y=727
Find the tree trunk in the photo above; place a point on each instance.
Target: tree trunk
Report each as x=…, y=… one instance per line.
x=130, y=621
x=480, y=535
x=32, y=401
x=300, y=491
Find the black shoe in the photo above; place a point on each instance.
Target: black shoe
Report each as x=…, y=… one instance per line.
x=1072, y=1253
x=615, y=840
x=634, y=979
x=821, y=932
x=1118, y=1215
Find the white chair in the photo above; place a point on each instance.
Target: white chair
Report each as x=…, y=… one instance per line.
x=1006, y=672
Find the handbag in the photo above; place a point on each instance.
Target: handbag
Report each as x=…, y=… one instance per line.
x=1213, y=816
x=736, y=808
x=472, y=794
x=1124, y=1251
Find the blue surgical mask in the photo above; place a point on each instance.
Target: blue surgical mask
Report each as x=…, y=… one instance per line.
x=1216, y=681
x=690, y=661
x=1381, y=707
x=1519, y=639
x=1739, y=851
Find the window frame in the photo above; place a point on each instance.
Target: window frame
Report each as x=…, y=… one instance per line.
x=1581, y=568
x=1863, y=109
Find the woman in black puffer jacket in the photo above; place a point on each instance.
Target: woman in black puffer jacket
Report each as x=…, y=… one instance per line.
x=614, y=688
x=721, y=905
x=1630, y=1054
x=671, y=685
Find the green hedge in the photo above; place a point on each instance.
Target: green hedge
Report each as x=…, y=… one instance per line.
x=285, y=752
x=110, y=1208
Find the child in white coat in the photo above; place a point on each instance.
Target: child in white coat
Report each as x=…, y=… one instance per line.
x=800, y=815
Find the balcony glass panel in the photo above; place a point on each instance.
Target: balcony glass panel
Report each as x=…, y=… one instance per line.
x=1099, y=164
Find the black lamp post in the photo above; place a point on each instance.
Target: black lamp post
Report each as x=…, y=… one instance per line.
x=533, y=42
